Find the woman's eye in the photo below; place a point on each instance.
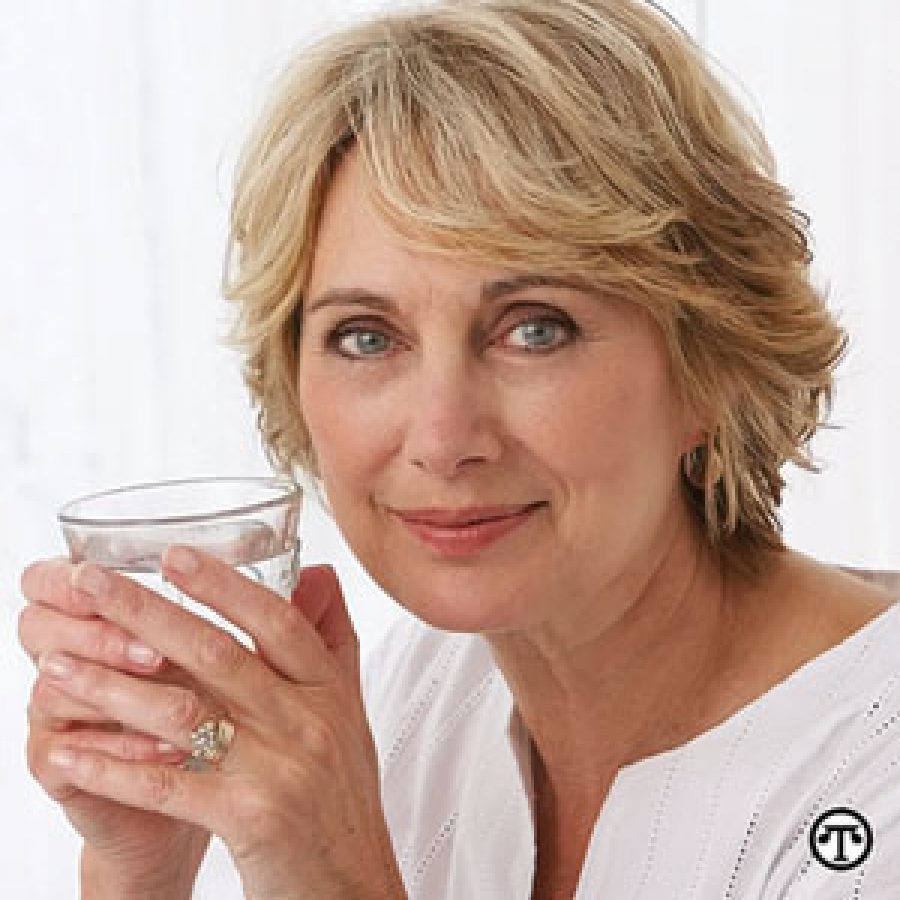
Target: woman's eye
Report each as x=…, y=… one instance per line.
x=544, y=333
x=358, y=342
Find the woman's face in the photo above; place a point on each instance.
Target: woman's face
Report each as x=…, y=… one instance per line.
x=453, y=392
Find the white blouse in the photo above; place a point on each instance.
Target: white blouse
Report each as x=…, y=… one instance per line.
x=734, y=814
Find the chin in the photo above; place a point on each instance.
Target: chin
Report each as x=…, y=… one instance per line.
x=458, y=601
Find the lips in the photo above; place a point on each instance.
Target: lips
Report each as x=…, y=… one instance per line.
x=455, y=518
x=463, y=532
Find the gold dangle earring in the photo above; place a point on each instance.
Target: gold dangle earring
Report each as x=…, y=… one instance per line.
x=692, y=466
x=702, y=460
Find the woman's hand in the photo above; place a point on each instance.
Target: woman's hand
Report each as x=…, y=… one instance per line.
x=296, y=797
x=128, y=851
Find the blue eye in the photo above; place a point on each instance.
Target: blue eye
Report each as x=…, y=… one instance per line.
x=540, y=334
x=357, y=342
x=544, y=333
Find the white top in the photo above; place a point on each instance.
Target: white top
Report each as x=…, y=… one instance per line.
x=726, y=816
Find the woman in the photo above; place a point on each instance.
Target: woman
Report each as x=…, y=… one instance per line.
x=517, y=287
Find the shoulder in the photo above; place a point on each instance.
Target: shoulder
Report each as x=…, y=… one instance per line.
x=846, y=836
x=801, y=611
x=768, y=790
x=836, y=730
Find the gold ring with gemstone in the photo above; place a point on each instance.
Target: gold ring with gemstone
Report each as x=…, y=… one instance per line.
x=210, y=742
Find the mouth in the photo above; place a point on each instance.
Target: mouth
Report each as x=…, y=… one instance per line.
x=458, y=533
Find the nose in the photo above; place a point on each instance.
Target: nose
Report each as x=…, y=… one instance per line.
x=451, y=421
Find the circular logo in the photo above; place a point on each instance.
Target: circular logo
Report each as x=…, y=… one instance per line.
x=841, y=839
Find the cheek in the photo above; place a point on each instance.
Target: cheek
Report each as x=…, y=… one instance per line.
x=608, y=427
x=618, y=468
x=612, y=453
x=349, y=427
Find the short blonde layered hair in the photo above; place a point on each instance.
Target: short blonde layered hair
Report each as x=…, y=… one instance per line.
x=584, y=137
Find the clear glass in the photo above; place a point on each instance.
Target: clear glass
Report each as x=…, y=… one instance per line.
x=249, y=522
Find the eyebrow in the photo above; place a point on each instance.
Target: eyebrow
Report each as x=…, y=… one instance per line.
x=491, y=291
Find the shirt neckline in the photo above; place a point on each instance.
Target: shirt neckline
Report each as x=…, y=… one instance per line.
x=517, y=732
x=804, y=672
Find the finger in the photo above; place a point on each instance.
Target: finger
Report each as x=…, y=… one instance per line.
x=319, y=596
x=129, y=746
x=51, y=778
x=283, y=635
x=48, y=582
x=44, y=630
x=52, y=708
x=168, y=712
x=165, y=789
x=215, y=658
x=123, y=746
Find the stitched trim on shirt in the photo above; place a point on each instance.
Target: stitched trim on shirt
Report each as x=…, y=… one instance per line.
x=471, y=700
x=404, y=858
x=803, y=829
x=751, y=828
x=410, y=721
x=657, y=821
x=804, y=870
x=842, y=683
x=730, y=892
x=711, y=817
x=800, y=834
x=860, y=875
x=817, y=806
x=438, y=842
x=875, y=705
x=887, y=771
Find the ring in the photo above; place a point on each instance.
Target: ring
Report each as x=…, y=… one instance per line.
x=210, y=742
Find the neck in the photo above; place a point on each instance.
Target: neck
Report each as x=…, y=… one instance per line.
x=633, y=682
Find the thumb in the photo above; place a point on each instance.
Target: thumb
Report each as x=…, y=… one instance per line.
x=319, y=597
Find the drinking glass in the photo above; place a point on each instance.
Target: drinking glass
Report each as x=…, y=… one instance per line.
x=249, y=522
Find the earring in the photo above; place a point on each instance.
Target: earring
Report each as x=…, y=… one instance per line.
x=692, y=466
x=699, y=462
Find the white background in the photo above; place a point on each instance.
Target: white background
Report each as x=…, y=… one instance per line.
x=120, y=124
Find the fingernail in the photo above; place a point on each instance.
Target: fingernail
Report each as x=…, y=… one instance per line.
x=55, y=666
x=90, y=580
x=181, y=560
x=141, y=654
x=165, y=747
x=61, y=757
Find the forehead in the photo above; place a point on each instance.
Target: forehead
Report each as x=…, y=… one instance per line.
x=360, y=257
x=356, y=245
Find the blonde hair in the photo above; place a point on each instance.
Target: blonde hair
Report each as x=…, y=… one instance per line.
x=586, y=137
